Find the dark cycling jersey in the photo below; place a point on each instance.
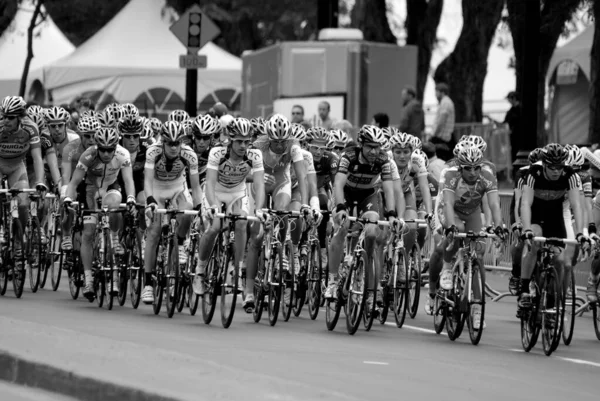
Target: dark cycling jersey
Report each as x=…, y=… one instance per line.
x=325, y=168
x=15, y=146
x=361, y=175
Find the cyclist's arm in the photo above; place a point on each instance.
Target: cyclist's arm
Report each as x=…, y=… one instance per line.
x=388, y=191
x=127, y=174
x=338, y=187
x=78, y=176
x=424, y=186
x=38, y=164
x=526, y=202
x=517, y=203
x=575, y=200
x=53, y=166
x=300, y=168
x=66, y=169
x=449, y=207
x=196, y=190
x=259, y=189
x=211, y=183
x=486, y=209
x=399, y=198
x=148, y=180
x=494, y=205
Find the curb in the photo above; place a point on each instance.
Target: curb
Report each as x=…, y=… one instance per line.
x=19, y=371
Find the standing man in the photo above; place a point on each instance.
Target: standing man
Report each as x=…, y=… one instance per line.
x=297, y=114
x=513, y=119
x=443, y=127
x=412, y=116
x=436, y=165
x=326, y=121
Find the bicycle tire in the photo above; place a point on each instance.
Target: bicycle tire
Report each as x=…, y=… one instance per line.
x=34, y=255
x=301, y=284
x=387, y=290
x=289, y=281
x=228, y=291
x=171, y=279
x=596, y=318
x=136, y=272
x=193, y=299
x=324, y=276
x=369, y=315
x=259, y=289
x=475, y=333
x=400, y=305
x=73, y=273
x=45, y=266
x=454, y=316
x=159, y=281
x=3, y=279
x=357, y=293
x=19, y=271
x=212, y=287
x=123, y=283
x=416, y=268
x=549, y=288
x=54, y=255
x=439, y=314
x=275, y=284
x=314, y=274
x=570, y=306
x=99, y=288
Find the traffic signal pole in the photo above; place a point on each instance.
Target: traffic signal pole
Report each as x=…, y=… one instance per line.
x=191, y=90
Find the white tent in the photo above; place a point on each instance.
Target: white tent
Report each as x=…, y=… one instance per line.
x=569, y=77
x=135, y=58
x=49, y=44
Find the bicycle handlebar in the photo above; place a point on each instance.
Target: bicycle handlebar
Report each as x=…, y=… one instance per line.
x=237, y=216
x=475, y=235
x=555, y=241
x=187, y=212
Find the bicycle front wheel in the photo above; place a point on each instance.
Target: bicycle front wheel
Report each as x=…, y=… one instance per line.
x=549, y=306
x=314, y=272
x=74, y=270
x=54, y=258
x=136, y=272
x=357, y=293
x=229, y=288
x=288, y=282
x=34, y=254
x=275, y=282
x=212, y=285
x=401, y=290
x=477, y=303
x=570, y=306
x=171, y=279
x=413, y=277
x=19, y=273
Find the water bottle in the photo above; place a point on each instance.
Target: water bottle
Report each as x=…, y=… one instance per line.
x=2, y=235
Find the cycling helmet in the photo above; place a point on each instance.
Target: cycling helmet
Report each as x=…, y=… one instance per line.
x=470, y=156
x=88, y=124
x=106, y=137
x=90, y=113
x=419, y=152
x=415, y=142
x=464, y=138
x=106, y=120
x=387, y=132
x=130, y=125
x=478, y=142
x=13, y=106
x=178, y=115
x=259, y=125
x=459, y=147
x=37, y=115
x=338, y=137
x=317, y=134
x=386, y=145
x=370, y=134
x=187, y=126
x=172, y=131
x=535, y=155
x=56, y=115
x=147, y=132
x=239, y=128
x=206, y=126
x=156, y=125
x=279, y=128
x=575, y=157
x=554, y=154
x=401, y=140
x=130, y=110
x=298, y=132
x=115, y=110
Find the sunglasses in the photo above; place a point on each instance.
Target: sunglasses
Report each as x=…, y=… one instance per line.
x=106, y=150
x=296, y=114
x=57, y=126
x=280, y=141
x=131, y=136
x=10, y=118
x=87, y=136
x=203, y=138
x=338, y=148
x=317, y=147
x=245, y=142
x=173, y=144
x=471, y=168
x=555, y=167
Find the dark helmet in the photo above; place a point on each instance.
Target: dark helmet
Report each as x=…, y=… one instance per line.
x=535, y=155
x=555, y=154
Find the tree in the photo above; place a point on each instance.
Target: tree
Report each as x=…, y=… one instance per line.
x=554, y=15
x=370, y=17
x=8, y=10
x=422, y=20
x=36, y=19
x=464, y=70
x=594, y=129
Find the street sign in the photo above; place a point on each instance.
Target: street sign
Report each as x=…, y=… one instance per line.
x=192, y=61
x=194, y=29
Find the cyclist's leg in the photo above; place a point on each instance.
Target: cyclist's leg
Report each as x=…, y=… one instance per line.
x=322, y=228
x=87, y=238
x=421, y=231
x=528, y=264
x=111, y=198
x=17, y=179
x=183, y=201
x=254, y=248
x=238, y=204
x=282, y=197
x=410, y=213
x=296, y=224
x=371, y=208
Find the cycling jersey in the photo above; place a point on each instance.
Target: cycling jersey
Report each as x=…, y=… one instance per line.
x=72, y=152
x=16, y=145
x=171, y=170
x=57, y=147
x=432, y=183
x=325, y=168
x=468, y=197
x=586, y=183
x=202, y=164
x=101, y=175
x=231, y=176
x=416, y=168
x=278, y=162
x=362, y=175
x=310, y=167
x=485, y=164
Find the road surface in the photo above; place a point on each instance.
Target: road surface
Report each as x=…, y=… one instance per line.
x=182, y=358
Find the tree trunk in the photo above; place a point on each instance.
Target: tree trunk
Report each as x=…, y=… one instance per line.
x=32, y=25
x=422, y=20
x=464, y=70
x=370, y=17
x=594, y=130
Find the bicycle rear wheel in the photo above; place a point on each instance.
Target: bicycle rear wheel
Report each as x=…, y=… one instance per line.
x=549, y=306
x=19, y=273
x=47, y=250
x=333, y=307
x=74, y=269
x=401, y=291
x=55, y=254
x=357, y=294
x=34, y=254
x=275, y=282
x=301, y=285
x=439, y=313
x=289, y=282
x=455, y=317
x=136, y=272
x=212, y=287
x=260, y=283
x=171, y=279
x=414, y=280
x=314, y=272
x=477, y=285
x=568, y=313
x=228, y=290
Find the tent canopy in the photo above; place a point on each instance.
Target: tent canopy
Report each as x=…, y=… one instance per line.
x=577, y=49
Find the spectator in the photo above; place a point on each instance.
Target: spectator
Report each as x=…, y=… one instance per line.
x=297, y=114
x=345, y=126
x=325, y=120
x=436, y=165
x=443, y=126
x=381, y=120
x=513, y=119
x=412, y=116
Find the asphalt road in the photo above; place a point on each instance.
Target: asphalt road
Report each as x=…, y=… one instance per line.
x=15, y=392
x=299, y=360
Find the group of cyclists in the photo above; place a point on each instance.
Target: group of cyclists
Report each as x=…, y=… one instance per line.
x=249, y=167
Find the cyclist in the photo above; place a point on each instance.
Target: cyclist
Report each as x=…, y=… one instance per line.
x=544, y=189
x=421, y=203
x=178, y=115
x=358, y=171
x=99, y=167
x=164, y=179
x=204, y=130
x=340, y=140
x=464, y=189
x=18, y=137
x=226, y=173
x=130, y=130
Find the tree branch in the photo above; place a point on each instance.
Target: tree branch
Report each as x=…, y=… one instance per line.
x=32, y=25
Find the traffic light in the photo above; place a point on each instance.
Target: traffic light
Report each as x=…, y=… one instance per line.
x=194, y=30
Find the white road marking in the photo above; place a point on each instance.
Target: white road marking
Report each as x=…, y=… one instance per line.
x=413, y=328
x=579, y=361
x=375, y=363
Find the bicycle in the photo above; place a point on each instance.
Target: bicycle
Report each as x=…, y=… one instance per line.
x=269, y=278
x=130, y=266
x=32, y=242
x=310, y=274
x=69, y=261
x=187, y=292
x=456, y=305
x=222, y=276
x=166, y=277
x=52, y=250
x=546, y=292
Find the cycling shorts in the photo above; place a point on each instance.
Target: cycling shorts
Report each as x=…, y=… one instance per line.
x=15, y=172
x=366, y=201
x=230, y=199
x=473, y=221
x=91, y=194
x=175, y=191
